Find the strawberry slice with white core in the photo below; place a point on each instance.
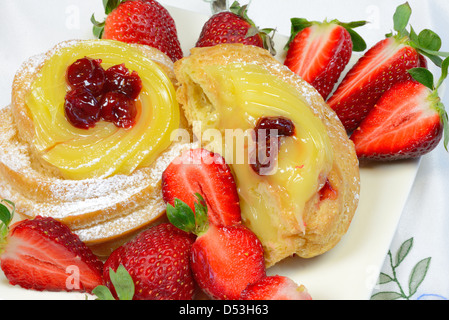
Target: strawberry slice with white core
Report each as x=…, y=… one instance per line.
x=319, y=54
x=377, y=71
x=206, y=173
x=404, y=124
x=43, y=254
x=226, y=259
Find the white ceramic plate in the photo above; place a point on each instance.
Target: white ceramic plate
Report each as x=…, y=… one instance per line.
x=351, y=269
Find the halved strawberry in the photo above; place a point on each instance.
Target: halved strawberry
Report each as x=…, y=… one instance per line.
x=206, y=173
x=275, y=288
x=43, y=254
x=224, y=259
x=384, y=65
x=319, y=52
x=407, y=122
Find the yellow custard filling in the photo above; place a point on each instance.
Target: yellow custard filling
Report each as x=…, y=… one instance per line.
x=104, y=150
x=272, y=204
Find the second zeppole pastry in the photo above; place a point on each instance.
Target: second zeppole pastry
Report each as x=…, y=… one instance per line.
x=302, y=199
x=87, y=137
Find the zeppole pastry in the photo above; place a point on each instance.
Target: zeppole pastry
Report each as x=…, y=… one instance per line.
x=88, y=135
x=295, y=168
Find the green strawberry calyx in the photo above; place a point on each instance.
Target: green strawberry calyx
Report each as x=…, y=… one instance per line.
x=426, y=42
x=7, y=210
x=183, y=217
x=426, y=78
x=123, y=284
x=98, y=26
x=267, y=34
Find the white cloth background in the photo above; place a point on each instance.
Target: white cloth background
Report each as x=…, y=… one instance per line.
x=425, y=218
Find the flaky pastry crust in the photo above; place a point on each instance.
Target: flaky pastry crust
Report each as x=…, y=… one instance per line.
x=326, y=220
x=103, y=212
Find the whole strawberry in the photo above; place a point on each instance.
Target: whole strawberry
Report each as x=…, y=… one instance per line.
x=234, y=26
x=381, y=67
x=320, y=51
x=140, y=21
x=43, y=254
x=158, y=262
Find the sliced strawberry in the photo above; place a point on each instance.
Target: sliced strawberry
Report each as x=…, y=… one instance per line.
x=43, y=254
x=378, y=70
x=384, y=65
x=275, y=288
x=404, y=124
x=226, y=259
x=320, y=52
x=206, y=173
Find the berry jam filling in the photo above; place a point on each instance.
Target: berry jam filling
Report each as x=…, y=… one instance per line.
x=328, y=192
x=268, y=132
x=97, y=94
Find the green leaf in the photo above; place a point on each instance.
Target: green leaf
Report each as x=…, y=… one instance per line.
x=423, y=76
x=103, y=293
x=98, y=27
x=5, y=215
x=401, y=17
x=181, y=216
x=429, y=40
x=384, y=278
x=404, y=251
x=201, y=217
x=418, y=274
x=444, y=118
x=444, y=72
x=386, y=295
x=352, y=24
x=358, y=43
x=123, y=283
x=110, y=5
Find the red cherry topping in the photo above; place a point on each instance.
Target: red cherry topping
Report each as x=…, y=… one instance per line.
x=265, y=157
x=87, y=73
x=118, y=78
x=101, y=95
x=118, y=109
x=81, y=108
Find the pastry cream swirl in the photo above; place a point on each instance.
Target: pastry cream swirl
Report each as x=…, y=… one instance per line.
x=246, y=93
x=104, y=150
